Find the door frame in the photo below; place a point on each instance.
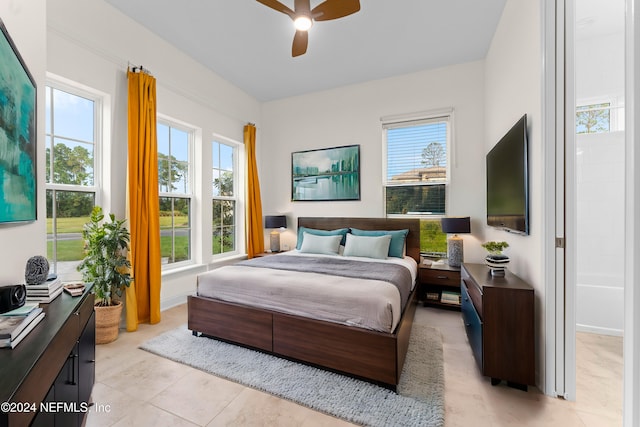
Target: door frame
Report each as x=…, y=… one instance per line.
x=559, y=189
x=631, y=343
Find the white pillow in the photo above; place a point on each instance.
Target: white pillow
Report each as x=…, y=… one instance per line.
x=367, y=246
x=313, y=244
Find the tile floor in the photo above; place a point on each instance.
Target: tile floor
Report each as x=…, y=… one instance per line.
x=136, y=388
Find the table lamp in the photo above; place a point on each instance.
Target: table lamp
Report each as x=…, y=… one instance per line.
x=455, y=226
x=278, y=223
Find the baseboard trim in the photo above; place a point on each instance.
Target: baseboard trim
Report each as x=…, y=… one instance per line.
x=599, y=330
x=173, y=301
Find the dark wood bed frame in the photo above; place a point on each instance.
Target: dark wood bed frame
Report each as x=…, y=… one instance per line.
x=374, y=356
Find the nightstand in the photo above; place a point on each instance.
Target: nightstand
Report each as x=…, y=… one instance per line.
x=439, y=286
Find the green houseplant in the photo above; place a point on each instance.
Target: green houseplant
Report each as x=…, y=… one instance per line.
x=106, y=266
x=495, y=248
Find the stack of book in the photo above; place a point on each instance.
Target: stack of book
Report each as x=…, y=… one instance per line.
x=449, y=297
x=44, y=292
x=16, y=324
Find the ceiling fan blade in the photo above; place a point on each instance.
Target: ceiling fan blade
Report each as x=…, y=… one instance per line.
x=333, y=9
x=302, y=7
x=276, y=5
x=300, y=41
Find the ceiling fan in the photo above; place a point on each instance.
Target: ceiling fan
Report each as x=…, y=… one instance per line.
x=303, y=17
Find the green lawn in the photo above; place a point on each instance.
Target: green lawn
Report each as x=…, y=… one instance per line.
x=67, y=225
x=74, y=225
x=73, y=250
x=68, y=250
x=432, y=239
x=181, y=248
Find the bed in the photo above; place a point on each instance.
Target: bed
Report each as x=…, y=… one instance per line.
x=374, y=355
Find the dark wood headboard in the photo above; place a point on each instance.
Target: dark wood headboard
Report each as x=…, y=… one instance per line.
x=331, y=223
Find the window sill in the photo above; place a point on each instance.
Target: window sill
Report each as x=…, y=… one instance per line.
x=186, y=269
x=220, y=262
x=201, y=268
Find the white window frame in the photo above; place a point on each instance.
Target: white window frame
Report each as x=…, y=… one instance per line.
x=101, y=114
x=192, y=132
x=239, y=192
x=414, y=119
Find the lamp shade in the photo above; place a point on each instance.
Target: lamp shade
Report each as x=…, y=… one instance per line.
x=456, y=225
x=275, y=221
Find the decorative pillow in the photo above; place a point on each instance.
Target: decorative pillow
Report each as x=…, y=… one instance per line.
x=313, y=244
x=396, y=248
x=367, y=246
x=301, y=230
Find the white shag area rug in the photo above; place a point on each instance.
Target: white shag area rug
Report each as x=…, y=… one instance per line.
x=419, y=401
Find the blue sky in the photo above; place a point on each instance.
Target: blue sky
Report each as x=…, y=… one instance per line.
x=405, y=145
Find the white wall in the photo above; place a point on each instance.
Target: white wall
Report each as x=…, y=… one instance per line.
x=600, y=66
x=91, y=43
x=351, y=115
x=600, y=188
x=25, y=21
x=513, y=87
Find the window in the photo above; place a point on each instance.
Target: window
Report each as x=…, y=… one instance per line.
x=175, y=191
x=225, y=196
x=595, y=118
x=72, y=139
x=417, y=173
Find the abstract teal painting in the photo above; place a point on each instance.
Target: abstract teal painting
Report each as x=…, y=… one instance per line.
x=17, y=135
x=326, y=174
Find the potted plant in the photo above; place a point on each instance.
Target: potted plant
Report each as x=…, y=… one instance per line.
x=106, y=266
x=496, y=260
x=495, y=248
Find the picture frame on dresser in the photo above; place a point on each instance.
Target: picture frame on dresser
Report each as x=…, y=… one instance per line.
x=18, y=198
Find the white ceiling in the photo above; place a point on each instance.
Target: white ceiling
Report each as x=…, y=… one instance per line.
x=249, y=44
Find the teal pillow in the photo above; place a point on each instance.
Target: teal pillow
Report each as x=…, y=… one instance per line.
x=367, y=246
x=396, y=248
x=328, y=245
x=301, y=230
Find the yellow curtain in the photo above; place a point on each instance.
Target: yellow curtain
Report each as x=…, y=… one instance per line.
x=143, y=297
x=254, y=229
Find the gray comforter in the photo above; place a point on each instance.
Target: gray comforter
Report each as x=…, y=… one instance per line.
x=397, y=275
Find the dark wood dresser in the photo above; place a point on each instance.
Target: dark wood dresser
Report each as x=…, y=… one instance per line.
x=54, y=365
x=498, y=315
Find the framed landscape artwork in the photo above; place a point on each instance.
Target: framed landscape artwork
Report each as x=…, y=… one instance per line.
x=17, y=135
x=326, y=174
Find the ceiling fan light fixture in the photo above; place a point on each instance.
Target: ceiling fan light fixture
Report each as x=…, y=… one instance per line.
x=302, y=23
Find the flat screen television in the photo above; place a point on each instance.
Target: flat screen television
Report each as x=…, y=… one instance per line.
x=508, y=181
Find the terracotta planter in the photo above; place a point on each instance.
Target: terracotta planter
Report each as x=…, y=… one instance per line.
x=107, y=323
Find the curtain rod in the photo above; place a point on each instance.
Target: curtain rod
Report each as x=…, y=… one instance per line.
x=139, y=69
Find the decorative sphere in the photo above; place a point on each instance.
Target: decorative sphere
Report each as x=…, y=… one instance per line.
x=36, y=271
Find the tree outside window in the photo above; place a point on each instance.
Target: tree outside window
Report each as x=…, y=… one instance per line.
x=595, y=118
x=71, y=138
x=224, y=198
x=174, y=186
x=417, y=159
